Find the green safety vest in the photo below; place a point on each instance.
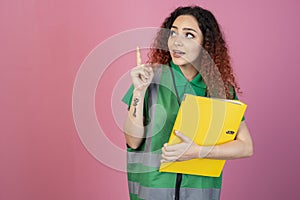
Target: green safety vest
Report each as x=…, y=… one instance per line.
x=160, y=110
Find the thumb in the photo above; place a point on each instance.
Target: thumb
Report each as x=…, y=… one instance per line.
x=183, y=137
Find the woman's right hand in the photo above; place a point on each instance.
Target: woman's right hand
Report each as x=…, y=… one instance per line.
x=142, y=74
x=141, y=77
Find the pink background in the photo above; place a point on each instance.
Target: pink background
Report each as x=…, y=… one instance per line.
x=43, y=44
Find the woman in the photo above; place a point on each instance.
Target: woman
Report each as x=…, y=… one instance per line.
x=188, y=38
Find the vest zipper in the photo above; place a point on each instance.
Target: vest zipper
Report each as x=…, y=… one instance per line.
x=179, y=176
x=177, y=188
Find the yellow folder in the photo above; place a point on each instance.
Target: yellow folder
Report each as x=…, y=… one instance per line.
x=207, y=121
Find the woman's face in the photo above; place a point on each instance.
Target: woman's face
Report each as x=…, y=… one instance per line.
x=185, y=40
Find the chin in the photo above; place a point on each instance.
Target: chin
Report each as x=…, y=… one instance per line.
x=179, y=61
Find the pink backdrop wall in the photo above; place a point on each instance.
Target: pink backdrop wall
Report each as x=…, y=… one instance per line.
x=42, y=45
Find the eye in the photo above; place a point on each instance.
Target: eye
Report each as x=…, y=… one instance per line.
x=189, y=35
x=172, y=33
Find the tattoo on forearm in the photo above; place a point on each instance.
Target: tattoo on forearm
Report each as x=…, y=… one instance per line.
x=135, y=103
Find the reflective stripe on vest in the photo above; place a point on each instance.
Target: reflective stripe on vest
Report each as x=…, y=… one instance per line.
x=146, y=158
x=169, y=193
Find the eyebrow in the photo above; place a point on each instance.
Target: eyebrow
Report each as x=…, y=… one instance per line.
x=185, y=29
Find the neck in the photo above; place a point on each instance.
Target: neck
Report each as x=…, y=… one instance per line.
x=188, y=71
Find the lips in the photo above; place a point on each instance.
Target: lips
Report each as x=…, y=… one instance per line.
x=177, y=53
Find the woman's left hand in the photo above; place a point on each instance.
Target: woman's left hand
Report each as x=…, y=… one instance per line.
x=185, y=150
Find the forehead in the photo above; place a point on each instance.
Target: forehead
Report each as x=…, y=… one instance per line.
x=184, y=21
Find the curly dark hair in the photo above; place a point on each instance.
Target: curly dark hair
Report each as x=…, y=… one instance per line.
x=215, y=54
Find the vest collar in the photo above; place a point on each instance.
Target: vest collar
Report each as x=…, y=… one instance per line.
x=180, y=80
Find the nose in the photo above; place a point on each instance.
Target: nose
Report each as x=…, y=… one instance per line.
x=178, y=41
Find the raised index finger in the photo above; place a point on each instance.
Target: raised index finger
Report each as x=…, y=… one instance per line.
x=138, y=56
